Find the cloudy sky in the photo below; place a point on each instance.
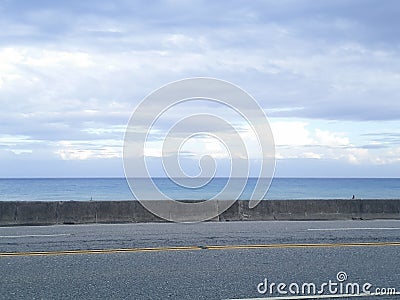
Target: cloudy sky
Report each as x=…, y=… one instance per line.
x=327, y=74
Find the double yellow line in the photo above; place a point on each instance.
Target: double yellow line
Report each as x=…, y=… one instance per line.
x=98, y=251
x=195, y=248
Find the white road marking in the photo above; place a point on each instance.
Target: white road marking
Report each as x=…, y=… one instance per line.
x=353, y=228
x=316, y=297
x=33, y=235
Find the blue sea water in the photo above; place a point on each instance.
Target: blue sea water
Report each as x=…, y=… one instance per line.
x=85, y=189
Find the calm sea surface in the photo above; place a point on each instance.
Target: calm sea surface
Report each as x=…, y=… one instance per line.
x=118, y=189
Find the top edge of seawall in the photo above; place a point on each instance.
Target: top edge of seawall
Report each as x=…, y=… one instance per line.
x=192, y=200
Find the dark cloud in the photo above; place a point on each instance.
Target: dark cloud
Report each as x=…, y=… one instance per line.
x=368, y=21
x=384, y=137
x=373, y=146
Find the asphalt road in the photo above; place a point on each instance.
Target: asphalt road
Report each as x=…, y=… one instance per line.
x=199, y=261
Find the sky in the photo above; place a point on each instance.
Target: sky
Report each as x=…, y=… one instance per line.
x=326, y=73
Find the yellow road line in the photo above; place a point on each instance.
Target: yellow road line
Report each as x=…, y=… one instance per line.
x=191, y=248
x=322, y=245
x=98, y=251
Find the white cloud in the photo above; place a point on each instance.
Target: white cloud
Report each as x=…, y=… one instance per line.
x=332, y=139
x=78, y=150
x=311, y=155
x=297, y=140
x=291, y=133
x=70, y=89
x=357, y=156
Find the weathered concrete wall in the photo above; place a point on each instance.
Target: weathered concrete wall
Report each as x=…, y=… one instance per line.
x=314, y=210
x=81, y=212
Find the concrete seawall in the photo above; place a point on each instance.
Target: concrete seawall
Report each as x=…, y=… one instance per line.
x=84, y=212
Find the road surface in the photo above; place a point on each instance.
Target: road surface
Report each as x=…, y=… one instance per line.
x=231, y=260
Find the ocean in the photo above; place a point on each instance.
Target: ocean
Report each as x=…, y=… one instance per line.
x=86, y=189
